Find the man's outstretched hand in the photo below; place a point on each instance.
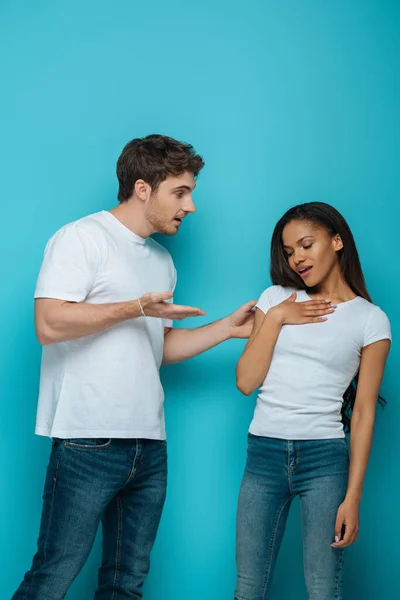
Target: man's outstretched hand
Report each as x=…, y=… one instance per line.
x=157, y=305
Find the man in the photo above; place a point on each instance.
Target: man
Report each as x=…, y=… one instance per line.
x=104, y=313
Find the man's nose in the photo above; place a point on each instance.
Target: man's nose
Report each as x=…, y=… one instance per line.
x=189, y=206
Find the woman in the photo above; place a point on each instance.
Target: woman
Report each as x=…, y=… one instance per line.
x=304, y=364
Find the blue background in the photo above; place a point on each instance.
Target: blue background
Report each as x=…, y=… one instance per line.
x=288, y=102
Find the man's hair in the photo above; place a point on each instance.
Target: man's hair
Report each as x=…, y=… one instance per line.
x=153, y=159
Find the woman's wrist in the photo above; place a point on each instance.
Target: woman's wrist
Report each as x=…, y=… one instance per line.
x=353, y=496
x=277, y=313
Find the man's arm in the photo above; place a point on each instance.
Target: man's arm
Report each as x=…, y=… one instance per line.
x=61, y=321
x=182, y=344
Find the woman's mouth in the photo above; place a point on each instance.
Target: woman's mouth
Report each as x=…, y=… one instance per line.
x=304, y=272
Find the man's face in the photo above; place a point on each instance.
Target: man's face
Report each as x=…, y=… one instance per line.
x=171, y=203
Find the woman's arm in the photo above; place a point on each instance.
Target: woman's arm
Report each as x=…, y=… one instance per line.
x=373, y=359
x=253, y=365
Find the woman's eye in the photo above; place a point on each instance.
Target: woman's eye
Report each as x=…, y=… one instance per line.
x=307, y=247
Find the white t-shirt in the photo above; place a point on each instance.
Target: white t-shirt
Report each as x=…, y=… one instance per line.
x=312, y=366
x=106, y=384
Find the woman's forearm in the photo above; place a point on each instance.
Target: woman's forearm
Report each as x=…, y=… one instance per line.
x=362, y=427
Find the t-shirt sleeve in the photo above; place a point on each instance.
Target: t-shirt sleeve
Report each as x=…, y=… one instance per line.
x=69, y=266
x=377, y=327
x=265, y=302
x=174, y=276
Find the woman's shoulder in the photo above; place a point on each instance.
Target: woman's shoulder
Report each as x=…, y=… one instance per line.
x=376, y=324
x=275, y=294
x=369, y=309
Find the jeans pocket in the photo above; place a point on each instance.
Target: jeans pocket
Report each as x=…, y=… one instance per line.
x=87, y=443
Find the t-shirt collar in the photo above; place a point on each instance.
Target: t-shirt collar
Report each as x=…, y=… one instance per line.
x=123, y=230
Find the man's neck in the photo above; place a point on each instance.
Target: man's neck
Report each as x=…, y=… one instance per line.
x=131, y=214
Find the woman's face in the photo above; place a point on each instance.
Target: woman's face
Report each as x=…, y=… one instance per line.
x=311, y=251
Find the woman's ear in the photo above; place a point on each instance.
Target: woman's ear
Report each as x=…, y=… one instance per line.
x=337, y=243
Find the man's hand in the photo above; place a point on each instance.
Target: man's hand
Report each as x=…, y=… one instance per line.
x=157, y=305
x=241, y=321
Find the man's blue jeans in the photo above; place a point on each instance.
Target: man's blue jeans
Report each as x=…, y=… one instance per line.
x=276, y=472
x=121, y=483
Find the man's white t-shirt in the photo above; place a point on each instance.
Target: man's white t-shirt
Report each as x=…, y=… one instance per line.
x=106, y=384
x=312, y=366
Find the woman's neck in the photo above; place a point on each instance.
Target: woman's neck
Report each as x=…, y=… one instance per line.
x=334, y=288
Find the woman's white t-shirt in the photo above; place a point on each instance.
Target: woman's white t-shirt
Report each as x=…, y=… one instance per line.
x=311, y=368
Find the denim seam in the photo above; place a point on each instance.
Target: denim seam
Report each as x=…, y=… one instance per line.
x=289, y=470
x=72, y=445
x=339, y=577
x=49, y=521
x=297, y=454
x=118, y=550
x=133, y=470
x=272, y=547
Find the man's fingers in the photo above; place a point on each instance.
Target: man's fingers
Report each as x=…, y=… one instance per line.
x=182, y=311
x=250, y=305
x=164, y=296
x=156, y=297
x=182, y=316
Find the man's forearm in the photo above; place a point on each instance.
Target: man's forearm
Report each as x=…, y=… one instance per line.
x=182, y=344
x=57, y=321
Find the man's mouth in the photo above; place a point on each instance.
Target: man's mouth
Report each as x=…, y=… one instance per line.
x=304, y=271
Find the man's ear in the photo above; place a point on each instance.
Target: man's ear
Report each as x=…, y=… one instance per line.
x=142, y=190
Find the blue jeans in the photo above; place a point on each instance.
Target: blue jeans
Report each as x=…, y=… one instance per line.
x=276, y=472
x=121, y=483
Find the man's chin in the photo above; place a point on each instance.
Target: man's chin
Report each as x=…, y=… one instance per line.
x=170, y=230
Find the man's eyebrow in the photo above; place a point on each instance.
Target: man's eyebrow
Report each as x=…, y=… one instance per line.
x=184, y=187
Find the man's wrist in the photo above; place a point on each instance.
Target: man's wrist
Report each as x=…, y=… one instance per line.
x=133, y=311
x=226, y=328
